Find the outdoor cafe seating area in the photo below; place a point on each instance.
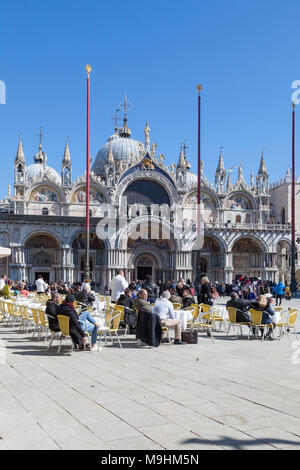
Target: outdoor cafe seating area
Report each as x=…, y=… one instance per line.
x=27, y=315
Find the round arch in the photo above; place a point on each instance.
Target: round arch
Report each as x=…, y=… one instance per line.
x=98, y=194
x=240, y=199
x=123, y=235
x=188, y=198
x=48, y=185
x=38, y=234
x=147, y=175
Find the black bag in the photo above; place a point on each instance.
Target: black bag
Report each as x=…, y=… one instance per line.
x=189, y=336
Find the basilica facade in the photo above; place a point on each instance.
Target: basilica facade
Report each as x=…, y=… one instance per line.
x=143, y=218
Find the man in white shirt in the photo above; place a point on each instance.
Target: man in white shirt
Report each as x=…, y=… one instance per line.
x=86, y=286
x=2, y=281
x=165, y=310
x=118, y=285
x=41, y=286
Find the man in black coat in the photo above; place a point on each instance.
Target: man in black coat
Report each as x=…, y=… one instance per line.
x=152, y=288
x=129, y=314
x=51, y=311
x=76, y=332
x=242, y=314
x=85, y=297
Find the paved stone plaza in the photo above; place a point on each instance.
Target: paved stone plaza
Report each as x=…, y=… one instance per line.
x=234, y=394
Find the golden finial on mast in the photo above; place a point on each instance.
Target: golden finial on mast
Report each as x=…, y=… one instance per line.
x=88, y=69
x=199, y=88
x=293, y=104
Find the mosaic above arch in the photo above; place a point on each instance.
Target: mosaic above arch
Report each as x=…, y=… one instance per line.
x=96, y=196
x=44, y=194
x=239, y=202
x=206, y=200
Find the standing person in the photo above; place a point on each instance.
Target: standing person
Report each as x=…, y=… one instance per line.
x=117, y=285
x=279, y=292
x=41, y=285
x=152, y=288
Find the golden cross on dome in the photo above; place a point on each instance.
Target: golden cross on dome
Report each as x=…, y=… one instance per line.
x=40, y=135
x=126, y=105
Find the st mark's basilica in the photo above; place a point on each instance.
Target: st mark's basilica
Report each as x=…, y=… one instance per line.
x=246, y=224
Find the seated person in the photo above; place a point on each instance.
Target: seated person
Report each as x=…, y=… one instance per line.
x=78, y=326
x=90, y=326
x=85, y=297
x=242, y=314
x=264, y=304
x=76, y=332
x=175, y=298
x=140, y=302
x=51, y=311
x=165, y=310
x=129, y=314
x=187, y=299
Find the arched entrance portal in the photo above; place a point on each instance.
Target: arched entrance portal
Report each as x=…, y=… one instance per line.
x=42, y=254
x=211, y=259
x=247, y=258
x=97, y=254
x=144, y=265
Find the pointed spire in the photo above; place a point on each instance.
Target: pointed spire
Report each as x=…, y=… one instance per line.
x=110, y=156
x=147, y=136
x=252, y=179
x=67, y=156
x=240, y=174
x=228, y=185
x=182, y=160
x=20, y=157
x=262, y=167
x=221, y=166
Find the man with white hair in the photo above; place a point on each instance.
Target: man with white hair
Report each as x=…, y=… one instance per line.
x=165, y=310
x=85, y=296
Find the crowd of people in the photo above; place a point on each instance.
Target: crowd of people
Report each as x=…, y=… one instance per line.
x=150, y=297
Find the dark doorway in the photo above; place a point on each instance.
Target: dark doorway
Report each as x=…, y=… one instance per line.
x=44, y=274
x=142, y=271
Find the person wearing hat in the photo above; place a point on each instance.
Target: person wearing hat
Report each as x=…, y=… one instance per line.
x=76, y=331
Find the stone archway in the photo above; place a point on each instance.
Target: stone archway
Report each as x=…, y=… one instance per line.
x=43, y=254
x=144, y=264
x=211, y=259
x=247, y=258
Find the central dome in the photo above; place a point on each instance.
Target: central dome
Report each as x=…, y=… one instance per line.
x=39, y=169
x=122, y=146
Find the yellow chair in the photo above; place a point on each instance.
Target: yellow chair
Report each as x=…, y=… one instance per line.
x=256, y=317
x=284, y=327
x=44, y=323
x=200, y=324
x=177, y=306
x=37, y=321
x=111, y=327
x=206, y=309
x=121, y=309
x=232, y=313
x=64, y=325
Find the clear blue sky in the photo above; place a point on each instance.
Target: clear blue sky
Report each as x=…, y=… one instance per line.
x=244, y=52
